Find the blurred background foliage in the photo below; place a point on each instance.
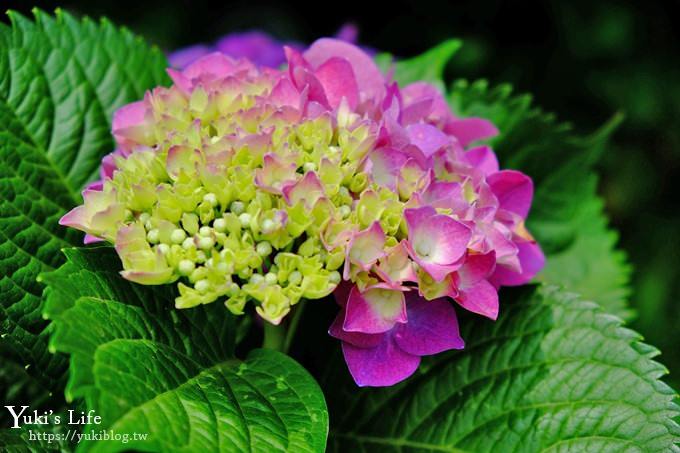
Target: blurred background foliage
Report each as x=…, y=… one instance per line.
x=583, y=59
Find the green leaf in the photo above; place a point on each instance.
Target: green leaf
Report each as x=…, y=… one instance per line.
x=566, y=216
x=148, y=368
x=61, y=79
x=427, y=67
x=554, y=373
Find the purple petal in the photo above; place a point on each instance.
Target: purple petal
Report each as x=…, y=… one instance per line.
x=256, y=46
x=381, y=366
x=181, y=58
x=514, y=191
x=532, y=261
x=432, y=327
x=427, y=137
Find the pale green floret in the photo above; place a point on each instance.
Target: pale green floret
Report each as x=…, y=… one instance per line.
x=205, y=231
x=334, y=277
x=268, y=226
x=164, y=248
x=271, y=278
x=256, y=279
x=144, y=217
x=295, y=278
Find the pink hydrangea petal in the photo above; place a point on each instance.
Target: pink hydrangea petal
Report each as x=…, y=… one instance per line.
x=284, y=93
x=129, y=115
x=427, y=137
x=374, y=311
x=514, y=191
x=308, y=189
x=482, y=158
x=358, y=339
x=436, y=242
x=469, y=130
x=369, y=78
x=381, y=366
x=481, y=298
x=337, y=78
x=477, y=267
x=385, y=166
x=366, y=247
x=432, y=327
x=532, y=260
x=89, y=239
x=216, y=65
x=75, y=218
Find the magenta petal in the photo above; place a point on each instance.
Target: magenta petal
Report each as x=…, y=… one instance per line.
x=358, y=339
x=513, y=189
x=477, y=267
x=183, y=57
x=432, y=327
x=531, y=259
x=481, y=298
x=469, y=130
x=381, y=366
x=129, y=115
x=337, y=78
x=369, y=78
x=482, y=158
x=374, y=311
x=427, y=137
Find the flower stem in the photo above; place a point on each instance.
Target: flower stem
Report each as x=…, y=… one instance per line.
x=274, y=337
x=297, y=314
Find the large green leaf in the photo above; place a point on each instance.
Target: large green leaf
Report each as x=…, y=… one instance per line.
x=554, y=373
x=148, y=368
x=60, y=81
x=566, y=217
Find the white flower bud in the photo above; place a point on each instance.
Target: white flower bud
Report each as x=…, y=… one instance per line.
x=177, y=236
x=211, y=199
x=205, y=231
x=309, y=166
x=188, y=244
x=256, y=279
x=263, y=248
x=202, y=286
x=220, y=225
x=345, y=211
x=268, y=226
x=271, y=278
x=205, y=243
x=144, y=217
x=237, y=207
x=164, y=248
x=245, y=219
x=152, y=236
x=186, y=267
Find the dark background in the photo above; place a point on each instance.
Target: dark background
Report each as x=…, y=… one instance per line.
x=583, y=59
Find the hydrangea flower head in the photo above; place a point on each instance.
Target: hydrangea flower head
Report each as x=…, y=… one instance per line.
x=259, y=186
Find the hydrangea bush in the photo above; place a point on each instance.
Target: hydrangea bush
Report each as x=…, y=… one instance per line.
x=326, y=197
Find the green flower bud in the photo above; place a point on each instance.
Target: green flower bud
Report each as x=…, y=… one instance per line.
x=205, y=243
x=164, y=248
x=295, y=278
x=271, y=278
x=188, y=244
x=205, y=231
x=256, y=279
